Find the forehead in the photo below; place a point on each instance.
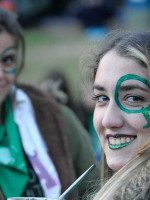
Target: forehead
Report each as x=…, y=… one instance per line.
x=6, y=40
x=113, y=66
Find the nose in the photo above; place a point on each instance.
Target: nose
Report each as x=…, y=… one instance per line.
x=113, y=117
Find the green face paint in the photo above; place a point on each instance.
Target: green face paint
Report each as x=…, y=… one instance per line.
x=8, y=60
x=118, y=146
x=143, y=110
x=13, y=71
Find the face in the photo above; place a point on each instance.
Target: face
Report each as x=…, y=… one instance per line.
x=7, y=64
x=121, y=130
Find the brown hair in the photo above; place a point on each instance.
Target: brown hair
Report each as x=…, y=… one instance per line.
x=128, y=44
x=9, y=23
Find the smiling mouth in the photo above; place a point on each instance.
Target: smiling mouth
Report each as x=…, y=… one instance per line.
x=119, y=141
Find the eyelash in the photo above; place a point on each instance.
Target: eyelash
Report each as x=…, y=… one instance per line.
x=137, y=99
x=97, y=98
x=8, y=60
x=130, y=100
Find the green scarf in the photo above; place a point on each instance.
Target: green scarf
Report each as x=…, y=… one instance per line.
x=13, y=170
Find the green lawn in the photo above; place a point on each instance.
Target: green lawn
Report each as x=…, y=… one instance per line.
x=55, y=46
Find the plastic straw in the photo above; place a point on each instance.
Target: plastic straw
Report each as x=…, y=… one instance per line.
x=77, y=182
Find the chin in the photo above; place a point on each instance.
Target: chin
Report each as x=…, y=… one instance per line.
x=115, y=166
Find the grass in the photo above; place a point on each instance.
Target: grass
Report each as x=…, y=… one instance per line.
x=56, y=46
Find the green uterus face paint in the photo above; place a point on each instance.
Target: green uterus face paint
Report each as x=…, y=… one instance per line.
x=143, y=110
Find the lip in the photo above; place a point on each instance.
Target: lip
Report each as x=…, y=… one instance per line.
x=119, y=135
x=120, y=145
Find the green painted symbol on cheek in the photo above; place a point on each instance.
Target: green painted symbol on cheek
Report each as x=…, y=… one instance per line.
x=143, y=110
x=13, y=71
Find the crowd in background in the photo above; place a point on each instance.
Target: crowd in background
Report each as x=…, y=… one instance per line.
x=96, y=16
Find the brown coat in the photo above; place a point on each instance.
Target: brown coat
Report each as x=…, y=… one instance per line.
x=51, y=125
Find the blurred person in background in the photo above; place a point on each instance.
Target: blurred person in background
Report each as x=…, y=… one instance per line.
x=90, y=13
x=8, y=4
x=95, y=13
x=43, y=146
x=57, y=84
x=31, y=12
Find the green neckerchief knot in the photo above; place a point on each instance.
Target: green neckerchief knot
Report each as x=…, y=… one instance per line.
x=13, y=169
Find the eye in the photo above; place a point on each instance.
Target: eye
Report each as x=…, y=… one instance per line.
x=135, y=99
x=8, y=60
x=100, y=98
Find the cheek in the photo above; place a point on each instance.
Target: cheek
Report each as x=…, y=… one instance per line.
x=97, y=121
x=137, y=122
x=11, y=79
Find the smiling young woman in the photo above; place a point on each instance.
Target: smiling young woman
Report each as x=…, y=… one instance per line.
x=121, y=134
x=121, y=90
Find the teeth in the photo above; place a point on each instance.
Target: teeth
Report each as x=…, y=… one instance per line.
x=123, y=140
x=127, y=139
x=120, y=140
x=113, y=141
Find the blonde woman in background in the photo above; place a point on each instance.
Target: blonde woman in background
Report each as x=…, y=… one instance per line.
x=121, y=90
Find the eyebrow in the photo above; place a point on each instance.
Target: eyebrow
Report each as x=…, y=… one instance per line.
x=98, y=87
x=122, y=88
x=132, y=87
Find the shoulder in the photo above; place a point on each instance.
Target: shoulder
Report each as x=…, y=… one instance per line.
x=73, y=124
x=79, y=141
x=68, y=113
x=44, y=104
x=36, y=95
x=31, y=90
x=76, y=133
